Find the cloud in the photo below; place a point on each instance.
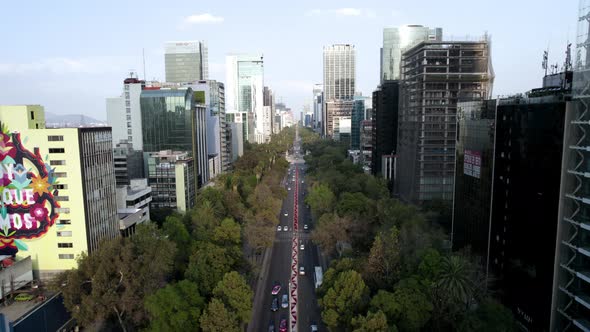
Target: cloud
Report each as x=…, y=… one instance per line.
x=349, y=11
x=65, y=65
x=205, y=18
x=313, y=12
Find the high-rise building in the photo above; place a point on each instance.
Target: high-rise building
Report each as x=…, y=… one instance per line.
x=339, y=72
x=571, y=300
x=244, y=90
x=385, y=114
x=336, y=108
x=268, y=112
x=318, y=107
x=473, y=176
x=212, y=94
x=128, y=163
x=435, y=75
x=358, y=115
x=173, y=120
x=395, y=40
x=62, y=184
x=186, y=61
x=171, y=176
x=124, y=113
x=366, y=144
x=237, y=140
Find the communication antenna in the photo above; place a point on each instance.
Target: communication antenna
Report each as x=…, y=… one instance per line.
x=545, y=60
x=568, y=57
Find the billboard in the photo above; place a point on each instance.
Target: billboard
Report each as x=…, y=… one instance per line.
x=28, y=207
x=472, y=163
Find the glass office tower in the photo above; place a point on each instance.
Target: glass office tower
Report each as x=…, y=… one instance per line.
x=186, y=61
x=395, y=40
x=339, y=72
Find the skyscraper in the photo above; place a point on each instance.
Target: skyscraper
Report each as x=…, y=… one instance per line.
x=186, y=61
x=339, y=72
x=318, y=107
x=385, y=114
x=395, y=40
x=244, y=90
x=124, y=115
x=435, y=76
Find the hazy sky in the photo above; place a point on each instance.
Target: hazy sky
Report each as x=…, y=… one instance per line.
x=70, y=55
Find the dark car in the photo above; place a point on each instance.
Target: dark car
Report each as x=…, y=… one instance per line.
x=271, y=326
x=283, y=325
x=274, y=306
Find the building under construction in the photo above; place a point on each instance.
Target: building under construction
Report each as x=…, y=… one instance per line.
x=435, y=76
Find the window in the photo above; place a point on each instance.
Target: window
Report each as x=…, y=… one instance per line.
x=64, y=233
x=130, y=138
x=128, y=117
x=57, y=150
x=62, y=210
x=128, y=124
x=66, y=256
x=60, y=174
x=129, y=132
x=62, y=198
x=55, y=138
x=65, y=245
x=60, y=186
x=64, y=222
x=32, y=115
x=57, y=162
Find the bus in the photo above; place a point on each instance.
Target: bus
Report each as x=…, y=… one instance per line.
x=318, y=277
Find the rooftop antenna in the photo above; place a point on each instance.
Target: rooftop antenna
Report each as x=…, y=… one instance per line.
x=545, y=60
x=568, y=57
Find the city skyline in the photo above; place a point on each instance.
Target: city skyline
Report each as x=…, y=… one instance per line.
x=76, y=72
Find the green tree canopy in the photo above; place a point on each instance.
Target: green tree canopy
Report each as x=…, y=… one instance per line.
x=176, y=307
x=235, y=293
x=207, y=266
x=344, y=300
x=372, y=322
x=217, y=318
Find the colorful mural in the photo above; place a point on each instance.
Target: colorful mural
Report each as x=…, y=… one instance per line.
x=28, y=207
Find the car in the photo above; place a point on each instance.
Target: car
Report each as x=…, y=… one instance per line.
x=279, y=228
x=301, y=270
x=23, y=297
x=285, y=301
x=314, y=328
x=274, y=306
x=271, y=326
x=302, y=181
x=286, y=214
x=276, y=288
x=283, y=325
x=286, y=228
x=302, y=247
x=305, y=227
x=289, y=188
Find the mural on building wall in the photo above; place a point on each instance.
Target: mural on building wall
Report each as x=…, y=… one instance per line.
x=28, y=207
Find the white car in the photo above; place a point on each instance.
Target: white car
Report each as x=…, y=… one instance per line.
x=301, y=271
x=279, y=228
x=289, y=188
x=286, y=228
x=302, y=247
x=305, y=227
x=286, y=214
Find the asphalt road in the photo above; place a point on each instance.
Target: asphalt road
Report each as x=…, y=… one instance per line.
x=280, y=261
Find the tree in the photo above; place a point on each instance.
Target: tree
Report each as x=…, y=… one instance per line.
x=331, y=229
x=112, y=283
x=490, y=316
x=320, y=199
x=204, y=221
x=372, y=322
x=207, y=266
x=383, y=264
x=344, y=300
x=176, y=307
x=354, y=204
x=408, y=305
x=217, y=318
x=176, y=231
x=228, y=233
x=235, y=293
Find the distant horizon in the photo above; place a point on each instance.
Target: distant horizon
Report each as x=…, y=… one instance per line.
x=76, y=61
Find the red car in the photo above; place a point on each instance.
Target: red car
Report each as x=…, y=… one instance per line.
x=283, y=325
x=276, y=289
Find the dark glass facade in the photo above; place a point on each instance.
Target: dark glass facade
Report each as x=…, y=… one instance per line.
x=526, y=186
x=167, y=120
x=473, y=176
x=385, y=120
x=358, y=114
